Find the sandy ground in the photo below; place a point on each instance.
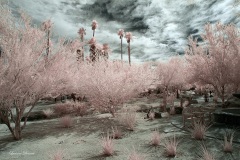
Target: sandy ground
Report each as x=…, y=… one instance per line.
x=81, y=142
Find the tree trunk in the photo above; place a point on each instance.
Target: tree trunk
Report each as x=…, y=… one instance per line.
x=129, y=54
x=222, y=95
x=165, y=91
x=17, y=128
x=121, y=50
x=178, y=94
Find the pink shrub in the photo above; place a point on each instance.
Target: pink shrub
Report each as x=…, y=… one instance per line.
x=80, y=109
x=66, y=121
x=156, y=138
x=199, y=131
x=62, y=108
x=107, y=146
x=135, y=156
x=116, y=133
x=151, y=115
x=227, y=145
x=128, y=119
x=206, y=155
x=48, y=112
x=170, y=145
x=57, y=155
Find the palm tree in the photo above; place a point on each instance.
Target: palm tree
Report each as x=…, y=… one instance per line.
x=128, y=37
x=94, y=26
x=121, y=33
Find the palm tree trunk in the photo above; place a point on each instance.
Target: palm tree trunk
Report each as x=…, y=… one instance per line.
x=129, y=54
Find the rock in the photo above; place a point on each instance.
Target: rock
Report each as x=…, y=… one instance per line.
x=165, y=114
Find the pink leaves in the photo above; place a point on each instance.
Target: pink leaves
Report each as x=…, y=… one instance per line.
x=121, y=33
x=92, y=41
x=94, y=24
x=47, y=25
x=82, y=31
x=128, y=36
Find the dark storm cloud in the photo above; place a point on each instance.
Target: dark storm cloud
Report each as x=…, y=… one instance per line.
x=160, y=27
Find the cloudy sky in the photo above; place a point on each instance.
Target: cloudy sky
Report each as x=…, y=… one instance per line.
x=160, y=27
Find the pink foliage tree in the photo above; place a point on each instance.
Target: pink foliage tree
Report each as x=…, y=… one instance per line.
x=216, y=61
x=121, y=34
x=25, y=75
x=170, y=75
x=109, y=84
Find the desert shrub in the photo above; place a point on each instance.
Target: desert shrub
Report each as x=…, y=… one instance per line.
x=199, y=131
x=170, y=145
x=66, y=121
x=227, y=144
x=206, y=155
x=48, y=112
x=57, y=155
x=63, y=108
x=128, y=119
x=107, y=145
x=151, y=115
x=135, y=156
x=79, y=108
x=116, y=133
x=156, y=138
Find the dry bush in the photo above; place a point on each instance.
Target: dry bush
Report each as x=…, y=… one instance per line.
x=199, y=131
x=151, y=115
x=57, y=155
x=48, y=112
x=135, y=156
x=170, y=145
x=79, y=108
x=66, y=121
x=206, y=155
x=227, y=145
x=62, y=108
x=107, y=145
x=116, y=133
x=172, y=110
x=128, y=119
x=156, y=138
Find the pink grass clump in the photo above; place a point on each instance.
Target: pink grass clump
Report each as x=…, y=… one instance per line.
x=128, y=119
x=48, y=112
x=57, y=155
x=151, y=115
x=206, y=155
x=227, y=145
x=66, y=121
x=107, y=146
x=116, y=133
x=199, y=131
x=135, y=156
x=156, y=138
x=170, y=145
x=80, y=109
